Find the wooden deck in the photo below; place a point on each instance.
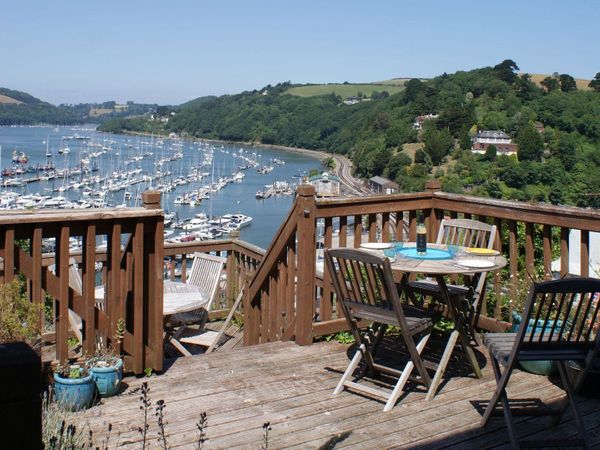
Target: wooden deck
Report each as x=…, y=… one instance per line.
x=290, y=386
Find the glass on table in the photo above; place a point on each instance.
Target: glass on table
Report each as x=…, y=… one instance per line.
x=453, y=250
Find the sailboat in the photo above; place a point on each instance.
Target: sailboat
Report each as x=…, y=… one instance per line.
x=48, y=152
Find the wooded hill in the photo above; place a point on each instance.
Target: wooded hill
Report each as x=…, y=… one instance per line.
x=20, y=108
x=559, y=165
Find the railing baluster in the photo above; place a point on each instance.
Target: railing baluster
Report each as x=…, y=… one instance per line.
x=513, y=256
x=89, y=281
x=564, y=251
x=385, y=227
x=326, y=298
x=358, y=228
x=584, y=256
x=372, y=227
x=62, y=270
x=497, y=274
x=9, y=254
x=35, y=284
x=399, y=233
x=529, y=250
x=412, y=225
x=343, y=231
x=138, y=297
x=113, y=305
x=547, y=248
x=290, y=309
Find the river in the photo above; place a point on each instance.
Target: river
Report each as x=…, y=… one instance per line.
x=121, y=153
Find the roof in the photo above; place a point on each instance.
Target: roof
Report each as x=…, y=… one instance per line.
x=324, y=177
x=498, y=134
x=382, y=181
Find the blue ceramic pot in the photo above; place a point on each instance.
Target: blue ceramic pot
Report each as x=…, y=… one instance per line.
x=108, y=379
x=74, y=394
x=537, y=367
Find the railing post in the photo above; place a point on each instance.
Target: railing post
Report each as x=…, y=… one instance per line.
x=305, y=294
x=435, y=216
x=232, y=288
x=151, y=199
x=153, y=280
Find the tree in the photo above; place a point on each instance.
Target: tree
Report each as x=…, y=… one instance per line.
x=550, y=84
x=412, y=88
x=438, y=143
x=531, y=146
x=491, y=152
x=567, y=83
x=506, y=70
x=595, y=83
x=566, y=151
x=397, y=164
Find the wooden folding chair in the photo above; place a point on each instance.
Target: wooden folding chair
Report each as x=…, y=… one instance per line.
x=365, y=289
x=559, y=324
x=462, y=233
x=205, y=273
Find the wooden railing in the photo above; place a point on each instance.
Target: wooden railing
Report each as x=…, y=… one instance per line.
x=287, y=294
x=289, y=299
x=133, y=285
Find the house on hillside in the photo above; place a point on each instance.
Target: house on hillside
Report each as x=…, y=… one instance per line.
x=381, y=185
x=501, y=140
x=326, y=185
x=420, y=120
x=352, y=100
x=539, y=127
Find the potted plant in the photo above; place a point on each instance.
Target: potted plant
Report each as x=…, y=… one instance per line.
x=73, y=386
x=106, y=366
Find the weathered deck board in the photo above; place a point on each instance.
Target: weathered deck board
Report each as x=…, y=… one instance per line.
x=290, y=387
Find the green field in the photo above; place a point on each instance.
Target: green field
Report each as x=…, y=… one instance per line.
x=582, y=84
x=347, y=90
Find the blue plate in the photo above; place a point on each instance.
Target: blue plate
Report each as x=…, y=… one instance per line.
x=432, y=253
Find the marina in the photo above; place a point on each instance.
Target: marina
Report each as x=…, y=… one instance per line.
x=209, y=189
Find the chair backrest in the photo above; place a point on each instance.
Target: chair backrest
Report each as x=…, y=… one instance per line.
x=363, y=284
x=561, y=320
x=466, y=233
x=206, y=273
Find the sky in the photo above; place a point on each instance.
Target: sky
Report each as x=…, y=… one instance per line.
x=169, y=52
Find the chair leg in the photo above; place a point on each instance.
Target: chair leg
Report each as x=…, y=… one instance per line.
x=570, y=391
x=175, y=343
x=350, y=369
x=393, y=398
x=508, y=417
x=378, y=337
x=501, y=382
x=437, y=378
x=173, y=339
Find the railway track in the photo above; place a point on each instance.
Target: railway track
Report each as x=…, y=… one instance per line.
x=343, y=170
x=355, y=186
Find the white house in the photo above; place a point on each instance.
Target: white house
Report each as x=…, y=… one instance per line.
x=501, y=140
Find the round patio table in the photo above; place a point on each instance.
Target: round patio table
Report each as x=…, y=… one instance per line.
x=463, y=263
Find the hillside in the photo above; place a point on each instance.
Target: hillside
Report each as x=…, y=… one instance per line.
x=345, y=90
x=22, y=108
x=559, y=164
x=9, y=100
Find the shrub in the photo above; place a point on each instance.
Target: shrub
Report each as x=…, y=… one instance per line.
x=19, y=318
